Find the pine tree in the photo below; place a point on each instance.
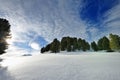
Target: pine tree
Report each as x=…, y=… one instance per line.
x=42, y=50
x=94, y=46
x=75, y=44
x=47, y=48
x=83, y=45
x=114, y=42
x=69, y=44
x=79, y=44
x=55, y=46
x=100, y=41
x=63, y=44
x=106, y=43
x=4, y=34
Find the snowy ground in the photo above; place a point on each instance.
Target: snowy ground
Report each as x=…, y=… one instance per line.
x=69, y=66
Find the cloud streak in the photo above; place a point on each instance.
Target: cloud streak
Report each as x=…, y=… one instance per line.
x=113, y=20
x=40, y=21
x=50, y=19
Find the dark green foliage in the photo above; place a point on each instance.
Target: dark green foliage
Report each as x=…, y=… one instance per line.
x=115, y=42
x=72, y=44
x=100, y=47
x=43, y=50
x=84, y=45
x=69, y=44
x=104, y=43
x=94, y=46
x=75, y=44
x=110, y=50
x=4, y=34
x=47, y=48
x=63, y=44
x=79, y=44
x=69, y=48
x=55, y=46
x=87, y=46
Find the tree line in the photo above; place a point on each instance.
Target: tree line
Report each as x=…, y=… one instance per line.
x=77, y=44
x=66, y=44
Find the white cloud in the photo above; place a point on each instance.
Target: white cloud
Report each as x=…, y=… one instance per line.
x=47, y=18
x=35, y=46
x=112, y=21
x=93, y=33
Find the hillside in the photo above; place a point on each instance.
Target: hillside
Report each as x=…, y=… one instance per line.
x=64, y=66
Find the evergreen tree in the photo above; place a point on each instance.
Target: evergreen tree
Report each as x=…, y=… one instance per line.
x=4, y=34
x=100, y=41
x=63, y=44
x=87, y=46
x=69, y=44
x=84, y=47
x=69, y=49
x=72, y=44
x=75, y=44
x=114, y=42
x=47, y=48
x=106, y=43
x=42, y=50
x=94, y=46
x=55, y=46
x=79, y=44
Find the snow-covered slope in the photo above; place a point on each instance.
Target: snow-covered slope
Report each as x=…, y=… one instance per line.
x=87, y=66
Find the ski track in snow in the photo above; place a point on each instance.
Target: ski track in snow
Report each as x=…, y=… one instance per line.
x=63, y=67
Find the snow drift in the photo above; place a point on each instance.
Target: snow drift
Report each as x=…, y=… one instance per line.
x=87, y=66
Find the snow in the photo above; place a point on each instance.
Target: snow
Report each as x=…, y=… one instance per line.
x=63, y=66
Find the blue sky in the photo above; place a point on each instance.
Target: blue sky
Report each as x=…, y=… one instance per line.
x=34, y=23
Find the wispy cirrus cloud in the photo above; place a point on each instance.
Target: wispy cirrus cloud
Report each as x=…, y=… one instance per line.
x=45, y=19
x=38, y=22
x=101, y=17
x=112, y=21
